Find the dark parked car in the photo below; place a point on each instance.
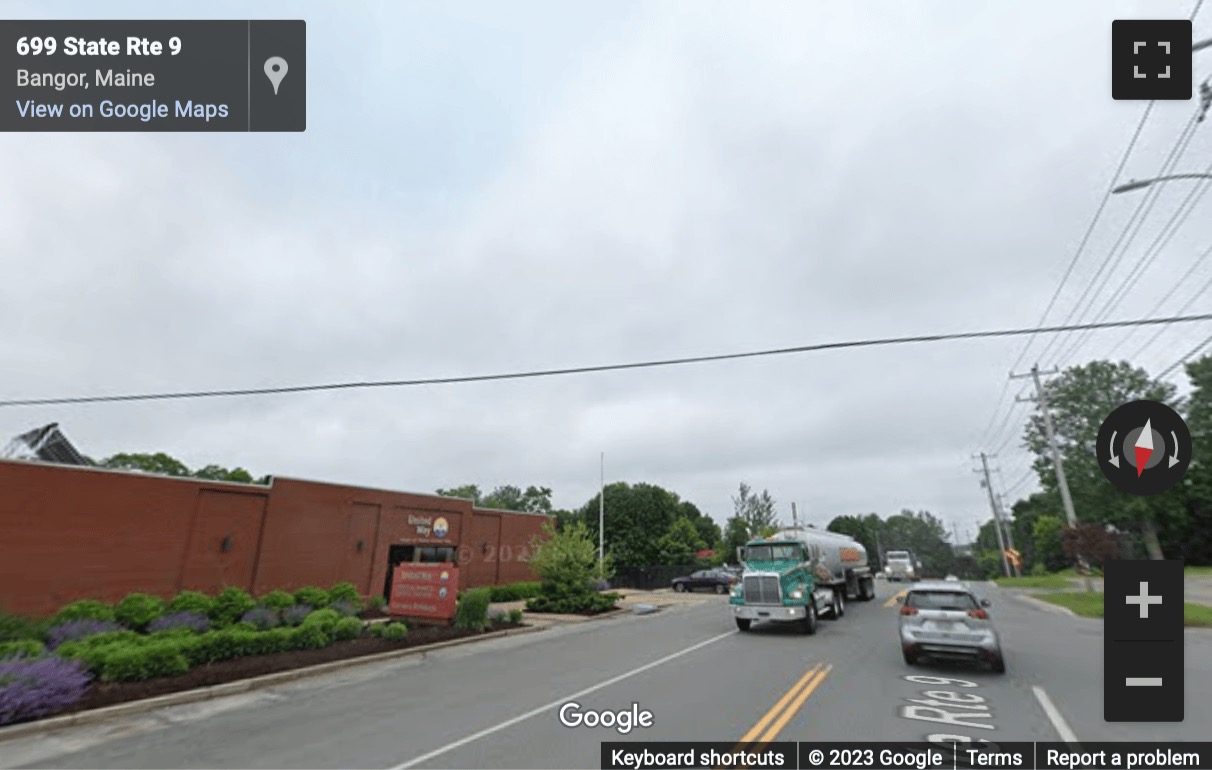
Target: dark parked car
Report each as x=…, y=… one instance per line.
x=711, y=579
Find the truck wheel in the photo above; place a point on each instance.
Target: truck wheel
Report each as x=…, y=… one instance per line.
x=839, y=604
x=808, y=624
x=743, y=623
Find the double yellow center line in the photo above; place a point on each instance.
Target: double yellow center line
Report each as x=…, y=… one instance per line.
x=892, y=599
x=770, y=725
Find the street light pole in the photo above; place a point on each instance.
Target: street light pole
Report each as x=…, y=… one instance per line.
x=1135, y=184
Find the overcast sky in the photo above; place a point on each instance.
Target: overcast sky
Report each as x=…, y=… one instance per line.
x=506, y=186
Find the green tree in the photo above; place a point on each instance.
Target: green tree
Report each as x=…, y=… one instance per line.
x=679, y=545
x=510, y=498
x=756, y=509
x=1081, y=398
x=636, y=517
x=1192, y=541
x=158, y=462
x=219, y=473
x=736, y=534
x=467, y=492
x=925, y=535
x=709, y=532
x=568, y=568
x=1048, y=542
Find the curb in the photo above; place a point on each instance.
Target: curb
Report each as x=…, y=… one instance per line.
x=93, y=716
x=1047, y=606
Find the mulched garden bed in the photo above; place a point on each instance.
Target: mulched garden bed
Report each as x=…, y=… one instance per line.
x=102, y=694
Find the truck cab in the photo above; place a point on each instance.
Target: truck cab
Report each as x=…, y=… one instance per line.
x=900, y=566
x=779, y=584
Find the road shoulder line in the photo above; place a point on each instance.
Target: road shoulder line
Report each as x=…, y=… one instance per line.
x=1054, y=716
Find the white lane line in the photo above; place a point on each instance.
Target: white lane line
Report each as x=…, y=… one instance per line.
x=1054, y=716
x=557, y=703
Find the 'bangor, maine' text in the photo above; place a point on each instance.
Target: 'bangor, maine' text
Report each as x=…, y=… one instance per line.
x=111, y=79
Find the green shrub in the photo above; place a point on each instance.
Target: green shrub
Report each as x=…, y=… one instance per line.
x=181, y=632
x=230, y=605
x=326, y=620
x=345, y=592
x=377, y=602
x=472, y=609
x=590, y=603
x=277, y=600
x=347, y=628
x=392, y=631
x=137, y=610
x=515, y=616
x=84, y=609
x=309, y=638
x=275, y=640
x=15, y=628
x=94, y=651
x=129, y=663
x=192, y=601
x=514, y=592
x=316, y=598
x=231, y=642
x=24, y=648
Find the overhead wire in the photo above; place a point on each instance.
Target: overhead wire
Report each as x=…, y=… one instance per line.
x=1186, y=305
x=1180, y=283
x=1129, y=233
x=1081, y=248
x=1163, y=239
x=667, y=362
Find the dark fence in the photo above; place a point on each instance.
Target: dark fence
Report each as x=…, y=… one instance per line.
x=649, y=578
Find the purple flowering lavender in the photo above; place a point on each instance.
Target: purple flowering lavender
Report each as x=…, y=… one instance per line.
x=262, y=617
x=75, y=630
x=346, y=608
x=293, y=615
x=33, y=688
x=194, y=621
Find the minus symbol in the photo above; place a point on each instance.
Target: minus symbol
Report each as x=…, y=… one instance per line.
x=1143, y=681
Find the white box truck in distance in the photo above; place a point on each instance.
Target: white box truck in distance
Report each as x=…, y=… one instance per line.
x=900, y=566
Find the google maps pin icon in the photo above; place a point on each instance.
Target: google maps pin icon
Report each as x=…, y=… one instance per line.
x=275, y=70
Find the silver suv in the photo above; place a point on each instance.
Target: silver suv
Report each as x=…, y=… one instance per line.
x=946, y=620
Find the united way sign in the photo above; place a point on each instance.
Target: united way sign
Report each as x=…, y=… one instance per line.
x=427, y=591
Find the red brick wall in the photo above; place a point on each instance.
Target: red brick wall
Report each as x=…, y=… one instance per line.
x=70, y=533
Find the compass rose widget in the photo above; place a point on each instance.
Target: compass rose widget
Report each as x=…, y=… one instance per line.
x=1144, y=448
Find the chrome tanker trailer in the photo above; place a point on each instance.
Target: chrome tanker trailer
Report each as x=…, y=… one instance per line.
x=843, y=558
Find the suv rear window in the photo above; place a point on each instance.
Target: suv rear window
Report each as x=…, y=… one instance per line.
x=941, y=600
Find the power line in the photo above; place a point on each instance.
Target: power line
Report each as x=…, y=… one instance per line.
x=1130, y=231
x=1180, y=283
x=877, y=342
x=1162, y=329
x=1123, y=161
x=1163, y=239
x=1081, y=247
x=1184, y=359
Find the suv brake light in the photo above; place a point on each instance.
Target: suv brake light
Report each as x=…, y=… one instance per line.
x=978, y=614
x=908, y=610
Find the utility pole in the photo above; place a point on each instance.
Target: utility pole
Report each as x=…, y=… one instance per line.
x=1009, y=524
x=997, y=519
x=1041, y=399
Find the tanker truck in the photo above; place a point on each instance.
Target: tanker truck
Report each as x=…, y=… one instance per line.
x=798, y=576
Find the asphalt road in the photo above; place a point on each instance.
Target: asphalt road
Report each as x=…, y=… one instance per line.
x=494, y=705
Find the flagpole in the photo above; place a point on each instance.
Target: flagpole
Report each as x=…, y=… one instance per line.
x=602, y=519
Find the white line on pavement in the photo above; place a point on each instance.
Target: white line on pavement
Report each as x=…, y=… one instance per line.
x=557, y=703
x=1054, y=716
